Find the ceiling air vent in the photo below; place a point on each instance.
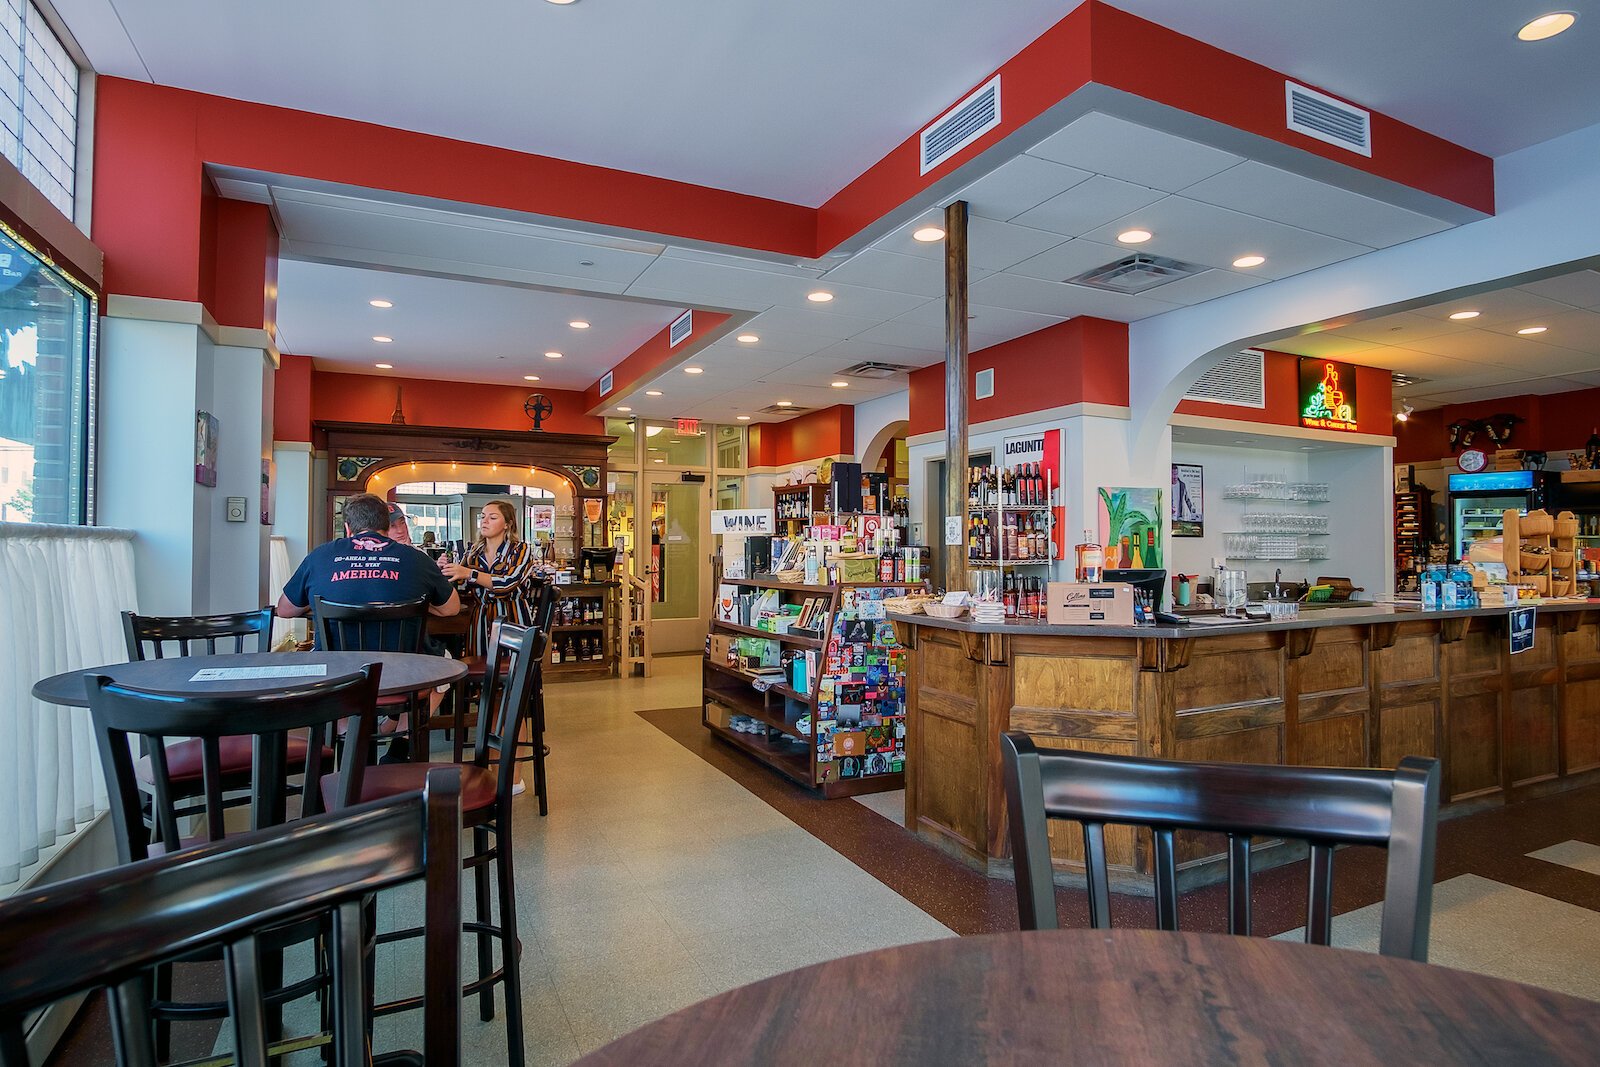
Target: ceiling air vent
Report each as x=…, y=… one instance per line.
x=1239, y=380
x=961, y=125
x=681, y=328
x=873, y=369
x=1404, y=380
x=1334, y=121
x=983, y=384
x=1136, y=273
x=780, y=409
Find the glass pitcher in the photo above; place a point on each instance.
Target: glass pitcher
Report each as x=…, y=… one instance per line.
x=1231, y=592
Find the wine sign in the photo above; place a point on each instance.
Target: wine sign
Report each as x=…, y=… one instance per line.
x=1327, y=395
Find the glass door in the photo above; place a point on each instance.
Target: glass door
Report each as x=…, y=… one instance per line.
x=677, y=558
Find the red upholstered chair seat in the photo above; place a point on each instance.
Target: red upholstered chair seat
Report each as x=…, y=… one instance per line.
x=185, y=760
x=476, y=664
x=391, y=779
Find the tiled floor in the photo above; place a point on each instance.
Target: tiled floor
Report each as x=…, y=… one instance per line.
x=671, y=868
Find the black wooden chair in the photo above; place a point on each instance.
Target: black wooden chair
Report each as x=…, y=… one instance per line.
x=1323, y=806
x=314, y=710
x=152, y=637
x=532, y=749
x=486, y=803
x=110, y=930
x=380, y=628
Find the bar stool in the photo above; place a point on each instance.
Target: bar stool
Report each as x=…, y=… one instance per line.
x=486, y=802
x=379, y=628
x=533, y=749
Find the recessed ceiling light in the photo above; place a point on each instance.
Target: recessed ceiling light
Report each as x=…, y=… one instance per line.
x=1529, y=330
x=1462, y=315
x=840, y=385
x=552, y=355
x=381, y=303
x=530, y=377
x=742, y=418
x=1249, y=261
x=652, y=392
x=694, y=370
x=1547, y=26
x=624, y=408
x=929, y=234
x=384, y=366
x=748, y=338
x=1308, y=448
x=786, y=403
x=578, y=324
x=821, y=296
x=382, y=340
x=562, y=2
x=1134, y=237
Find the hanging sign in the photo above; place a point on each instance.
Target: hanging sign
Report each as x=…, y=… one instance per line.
x=745, y=522
x=1327, y=395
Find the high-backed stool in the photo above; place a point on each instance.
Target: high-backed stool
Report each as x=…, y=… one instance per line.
x=380, y=628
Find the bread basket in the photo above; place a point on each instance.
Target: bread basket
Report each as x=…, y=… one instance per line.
x=945, y=611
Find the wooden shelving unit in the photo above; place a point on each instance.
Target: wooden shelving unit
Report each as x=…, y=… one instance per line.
x=633, y=624
x=1412, y=514
x=1541, y=551
x=800, y=505
x=603, y=630
x=807, y=755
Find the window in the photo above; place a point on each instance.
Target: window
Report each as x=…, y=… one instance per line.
x=730, y=447
x=46, y=404
x=665, y=445
x=620, y=453
x=38, y=103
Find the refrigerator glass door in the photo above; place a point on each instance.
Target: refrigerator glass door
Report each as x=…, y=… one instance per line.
x=1480, y=518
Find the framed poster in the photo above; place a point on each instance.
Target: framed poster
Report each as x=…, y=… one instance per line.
x=1188, y=500
x=544, y=519
x=205, y=449
x=1130, y=528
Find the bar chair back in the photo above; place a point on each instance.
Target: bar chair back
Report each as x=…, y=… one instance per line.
x=112, y=929
x=399, y=627
x=1322, y=806
x=121, y=714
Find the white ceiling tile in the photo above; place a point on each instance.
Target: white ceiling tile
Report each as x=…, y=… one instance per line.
x=426, y=263
x=1531, y=357
x=987, y=325
x=1327, y=345
x=1200, y=233
x=848, y=353
x=1503, y=389
x=1126, y=150
x=906, y=335
x=1509, y=310
x=991, y=245
x=1086, y=206
x=1401, y=328
x=1576, y=330
x=1269, y=193
x=785, y=324
x=1014, y=187
x=892, y=271
x=743, y=262
x=851, y=301
x=717, y=284
x=1207, y=285
x=1586, y=379
x=1579, y=289
x=1053, y=298
x=1069, y=259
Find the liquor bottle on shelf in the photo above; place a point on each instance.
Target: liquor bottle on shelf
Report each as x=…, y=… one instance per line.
x=1090, y=560
x=571, y=654
x=555, y=653
x=1009, y=595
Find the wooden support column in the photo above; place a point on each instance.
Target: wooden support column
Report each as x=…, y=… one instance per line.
x=955, y=391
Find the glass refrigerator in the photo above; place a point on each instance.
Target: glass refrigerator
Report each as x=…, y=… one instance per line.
x=1478, y=503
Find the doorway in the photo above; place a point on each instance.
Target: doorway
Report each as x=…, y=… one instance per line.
x=678, y=561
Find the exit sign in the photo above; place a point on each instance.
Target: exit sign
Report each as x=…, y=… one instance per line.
x=688, y=427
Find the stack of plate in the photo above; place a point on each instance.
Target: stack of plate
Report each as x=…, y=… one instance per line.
x=988, y=611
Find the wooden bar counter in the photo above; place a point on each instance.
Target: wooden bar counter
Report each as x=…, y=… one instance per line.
x=1347, y=686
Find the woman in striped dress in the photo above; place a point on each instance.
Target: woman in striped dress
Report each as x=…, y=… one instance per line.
x=499, y=568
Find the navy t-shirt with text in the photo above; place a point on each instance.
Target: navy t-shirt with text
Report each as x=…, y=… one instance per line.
x=368, y=568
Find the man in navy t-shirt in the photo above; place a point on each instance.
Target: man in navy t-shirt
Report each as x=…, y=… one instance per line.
x=366, y=566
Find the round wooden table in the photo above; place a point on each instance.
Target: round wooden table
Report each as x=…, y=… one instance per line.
x=403, y=672
x=1118, y=997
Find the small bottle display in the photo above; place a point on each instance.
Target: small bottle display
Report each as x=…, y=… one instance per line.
x=1091, y=560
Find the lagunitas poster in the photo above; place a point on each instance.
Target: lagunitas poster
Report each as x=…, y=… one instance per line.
x=1040, y=453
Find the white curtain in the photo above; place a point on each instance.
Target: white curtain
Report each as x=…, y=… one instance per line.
x=62, y=589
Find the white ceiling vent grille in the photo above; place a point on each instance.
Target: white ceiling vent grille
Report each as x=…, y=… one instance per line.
x=1401, y=379
x=961, y=125
x=681, y=328
x=1239, y=380
x=874, y=369
x=1136, y=273
x=779, y=409
x=1334, y=121
x=983, y=384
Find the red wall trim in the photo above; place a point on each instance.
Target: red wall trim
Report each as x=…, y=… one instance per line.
x=805, y=438
x=650, y=356
x=245, y=289
x=291, y=399
x=370, y=398
x=1082, y=360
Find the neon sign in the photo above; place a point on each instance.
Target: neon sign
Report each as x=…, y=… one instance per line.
x=1327, y=395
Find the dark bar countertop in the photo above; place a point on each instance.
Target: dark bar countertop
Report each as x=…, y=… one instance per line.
x=1310, y=618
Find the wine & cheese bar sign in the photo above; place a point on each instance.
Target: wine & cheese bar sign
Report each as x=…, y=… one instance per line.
x=1327, y=395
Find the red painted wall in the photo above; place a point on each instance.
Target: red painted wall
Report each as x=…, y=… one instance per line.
x=245, y=286
x=805, y=438
x=1082, y=360
x=1374, y=398
x=291, y=399
x=648, y=357
x=370, y=398
x=1561, y=422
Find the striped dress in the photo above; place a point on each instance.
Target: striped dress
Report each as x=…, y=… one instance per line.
x=509, y=599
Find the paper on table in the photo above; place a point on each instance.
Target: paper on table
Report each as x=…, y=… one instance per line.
x=227, y=674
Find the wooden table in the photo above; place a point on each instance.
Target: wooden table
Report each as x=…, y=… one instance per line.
x=1115, y=997
x=403, y=672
